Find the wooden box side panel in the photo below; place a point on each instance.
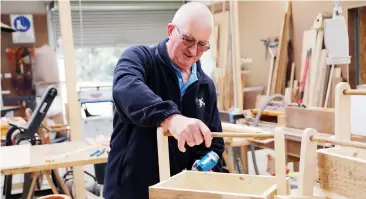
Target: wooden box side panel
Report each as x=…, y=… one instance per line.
x=166, y=193
x=233, y=183
x=300, y=197
x=221, y=182
x=341, y=175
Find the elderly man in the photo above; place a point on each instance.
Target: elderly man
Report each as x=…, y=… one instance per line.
x=163, y=85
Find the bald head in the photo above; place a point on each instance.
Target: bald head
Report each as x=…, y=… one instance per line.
x=189, y=34
x=195, y=11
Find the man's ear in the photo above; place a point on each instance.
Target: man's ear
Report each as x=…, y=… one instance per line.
x=170, y=29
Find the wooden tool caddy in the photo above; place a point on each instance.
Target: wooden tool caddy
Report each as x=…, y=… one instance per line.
x=212, y=185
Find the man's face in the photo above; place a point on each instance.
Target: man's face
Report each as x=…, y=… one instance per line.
x=187, y=43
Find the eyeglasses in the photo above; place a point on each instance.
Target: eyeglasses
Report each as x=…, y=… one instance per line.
x=191, y=42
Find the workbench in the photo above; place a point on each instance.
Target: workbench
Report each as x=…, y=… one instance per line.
x=49, y=157
x=41, y=153
x=293, y=143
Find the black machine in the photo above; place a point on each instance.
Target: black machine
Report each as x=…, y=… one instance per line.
x=27, y=134
x=21, y=134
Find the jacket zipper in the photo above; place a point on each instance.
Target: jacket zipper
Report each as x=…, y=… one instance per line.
x=188, y=90
x=181, y=104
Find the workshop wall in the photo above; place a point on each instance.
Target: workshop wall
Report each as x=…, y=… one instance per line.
x=261, y=19
x=41, y=38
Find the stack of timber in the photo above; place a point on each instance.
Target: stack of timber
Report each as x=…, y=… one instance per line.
x=313, y=67
x=227, y=73
x=283, y=60
x=315, y=73
x=222, y=74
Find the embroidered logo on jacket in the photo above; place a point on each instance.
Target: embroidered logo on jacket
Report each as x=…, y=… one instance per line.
x=200, y=102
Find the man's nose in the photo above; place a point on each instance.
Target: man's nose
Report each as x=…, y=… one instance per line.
x=193, y=50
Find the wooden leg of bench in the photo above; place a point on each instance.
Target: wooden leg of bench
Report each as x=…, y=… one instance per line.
x=33, y=184
x=244, y=158
x=49, y=180
x=62, y=183
x=228, y=162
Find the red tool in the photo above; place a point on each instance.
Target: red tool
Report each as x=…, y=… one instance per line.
x=303, y=81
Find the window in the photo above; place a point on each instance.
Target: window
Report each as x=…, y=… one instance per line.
x=94, y=66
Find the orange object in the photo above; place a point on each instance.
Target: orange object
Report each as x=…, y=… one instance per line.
x=55, y=196
x=5, y=123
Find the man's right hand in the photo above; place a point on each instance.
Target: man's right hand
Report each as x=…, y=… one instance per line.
x=187, y=130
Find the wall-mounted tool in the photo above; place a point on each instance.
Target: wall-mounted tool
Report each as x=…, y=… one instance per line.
x=272, y=47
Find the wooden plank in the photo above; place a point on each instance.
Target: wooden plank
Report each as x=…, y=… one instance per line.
x=292, y=147
x=320, y=119
x=278, y=80
x=317, y=62
x=236, y=58
x=322, y=80
x=17, y=156
x=342, y=171
x=268, y=112
x=362, y=43
x=345, y=143
x=288, y=95
x=295, y=134
x=244, y=158
x=314, y=65
x=299, y=197
x=193, y=184
x=227, y=160
x=162, y=193
x=222, y=20
x=70, y=73
x=250, y=96
x=163, y=154
x=351, y=23
x=292, y=77
x=314, y=69
x=40, y=154
x=219, y=7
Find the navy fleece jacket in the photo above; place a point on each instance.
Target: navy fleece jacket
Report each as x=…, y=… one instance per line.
x=145, y=92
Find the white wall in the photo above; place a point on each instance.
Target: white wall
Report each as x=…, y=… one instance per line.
x=23, y=7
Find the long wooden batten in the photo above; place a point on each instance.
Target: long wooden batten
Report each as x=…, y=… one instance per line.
x=345, y=143
x=354, y=92
x=238, y=135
